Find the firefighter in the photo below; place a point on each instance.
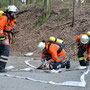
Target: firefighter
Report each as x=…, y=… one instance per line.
x=7, y=23
x=83, y=44
x=53, y=56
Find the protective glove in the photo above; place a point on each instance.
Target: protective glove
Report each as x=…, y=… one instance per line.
x=78, y=44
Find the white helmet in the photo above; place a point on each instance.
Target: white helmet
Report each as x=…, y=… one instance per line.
x=41, y=46
x=12, y=8
x=84, y=39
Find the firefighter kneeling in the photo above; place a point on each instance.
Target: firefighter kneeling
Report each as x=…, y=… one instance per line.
x=53, y=56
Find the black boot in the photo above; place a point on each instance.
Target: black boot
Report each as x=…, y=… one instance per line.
x=67, y=64
x=82, y=63
x=2, y=67
x=87, y=63
x=3, y=70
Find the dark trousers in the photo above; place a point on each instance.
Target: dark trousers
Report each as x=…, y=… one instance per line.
x=4, y=54
x=81, y=51
x=62, y=64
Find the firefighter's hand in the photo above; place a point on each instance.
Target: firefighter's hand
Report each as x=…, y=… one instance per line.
x=48, y=58
x=79, y=45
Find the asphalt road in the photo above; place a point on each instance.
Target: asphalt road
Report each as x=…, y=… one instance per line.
x=17, y=79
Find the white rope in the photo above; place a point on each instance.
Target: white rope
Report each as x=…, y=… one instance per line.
x=82, y=82
x=67, y=83
x=27, y=63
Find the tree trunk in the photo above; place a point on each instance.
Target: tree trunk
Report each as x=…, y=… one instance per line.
x=37, y=1
x=27, y=2
x=87, y=1
x=48, y=6
x=16, y=3
x=73, y=18
x=11, y=2
x=32, y=1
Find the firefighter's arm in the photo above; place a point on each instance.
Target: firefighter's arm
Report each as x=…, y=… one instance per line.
x=14, y=24
x=53, y=52
x=3, y=22
x=78, y=40
x=43, y=57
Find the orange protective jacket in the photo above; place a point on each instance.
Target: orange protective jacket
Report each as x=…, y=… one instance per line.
x=56, y=57
x=6, y=28
x=87, y=46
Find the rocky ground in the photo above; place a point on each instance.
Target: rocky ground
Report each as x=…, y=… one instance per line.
x=28, y=37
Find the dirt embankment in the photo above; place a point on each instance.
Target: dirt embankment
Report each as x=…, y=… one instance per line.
x=28, y=37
